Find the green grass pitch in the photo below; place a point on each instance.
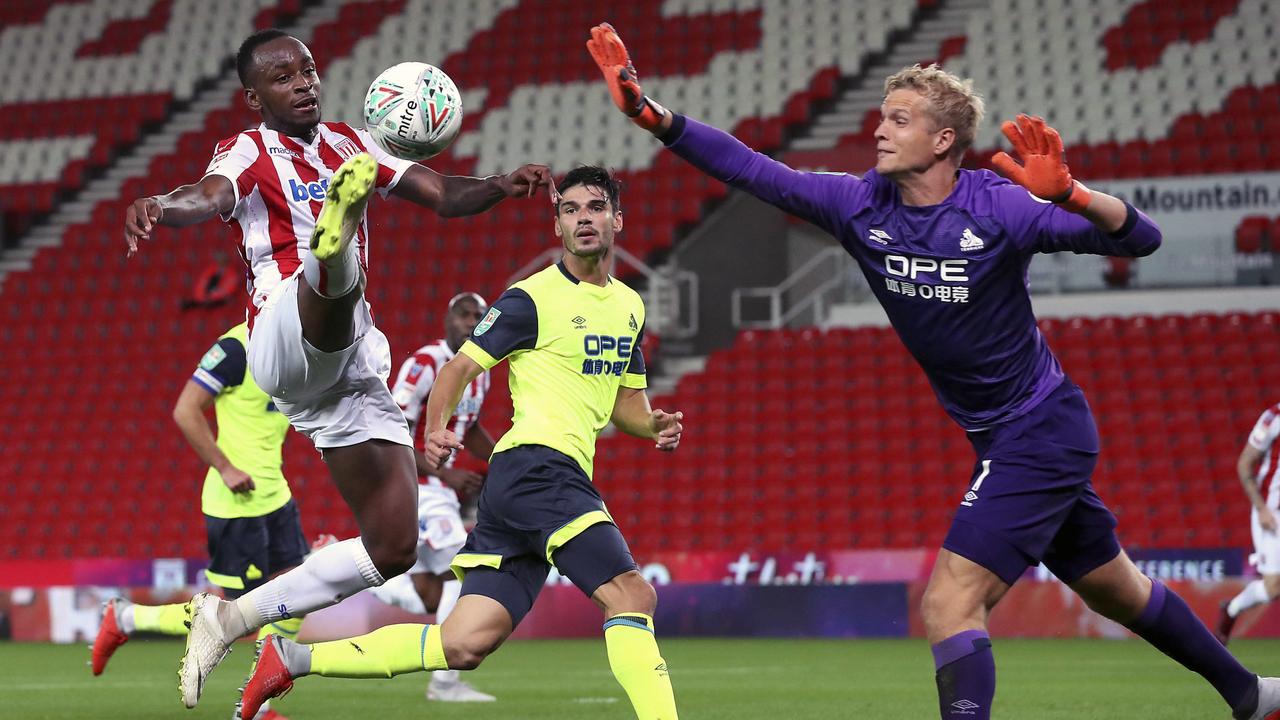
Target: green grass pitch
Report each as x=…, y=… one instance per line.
x=738, y=679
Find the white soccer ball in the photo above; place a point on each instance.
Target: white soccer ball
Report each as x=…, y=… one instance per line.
x=413, y=110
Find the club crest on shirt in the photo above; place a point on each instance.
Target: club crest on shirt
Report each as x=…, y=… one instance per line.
x=212, y=358
x=483, y=326
x=346, y=149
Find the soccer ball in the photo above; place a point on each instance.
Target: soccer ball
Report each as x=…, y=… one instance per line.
x=413, y=110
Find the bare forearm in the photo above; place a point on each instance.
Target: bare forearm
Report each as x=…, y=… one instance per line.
x=446, y=392
x=1246, y=473
x=463, y=196
x=631, y=416
x=1106, y=212
x=187, y=205
x=200, y=437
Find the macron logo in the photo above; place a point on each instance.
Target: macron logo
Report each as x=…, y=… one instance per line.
x=309, y=191
x=970, y=242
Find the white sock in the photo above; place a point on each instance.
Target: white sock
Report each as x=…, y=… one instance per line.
x=400, y=592
x=124, y=618
x=448, y=598
x=1255, y=593
x=334, y=278
x=327, y=576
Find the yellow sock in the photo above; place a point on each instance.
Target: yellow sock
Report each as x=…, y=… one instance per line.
x=385, y=652
x=287, y=629
x=166, y=619
x=639, y=667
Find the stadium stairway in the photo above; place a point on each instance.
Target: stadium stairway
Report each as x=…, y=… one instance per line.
x=922, y=42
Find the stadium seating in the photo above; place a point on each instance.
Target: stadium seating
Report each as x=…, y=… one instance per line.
x=807, y=438
x=80, y=80
x=1150, y=89
x=796, y=437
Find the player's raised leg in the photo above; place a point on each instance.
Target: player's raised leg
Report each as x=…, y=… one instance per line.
x=332, y=268
x=377, y=480
x=1119, y=591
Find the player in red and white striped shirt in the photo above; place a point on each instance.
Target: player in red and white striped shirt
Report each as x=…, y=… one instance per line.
x=295, y=189
x=1259, y=466
x=430, y=585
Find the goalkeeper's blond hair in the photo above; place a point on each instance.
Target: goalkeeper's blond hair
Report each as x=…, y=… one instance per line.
x=953, y=103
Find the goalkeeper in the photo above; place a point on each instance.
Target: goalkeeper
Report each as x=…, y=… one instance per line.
x=946, y=253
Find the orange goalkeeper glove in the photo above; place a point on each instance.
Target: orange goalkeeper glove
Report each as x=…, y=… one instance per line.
x=1044, y=169
x=610, y=54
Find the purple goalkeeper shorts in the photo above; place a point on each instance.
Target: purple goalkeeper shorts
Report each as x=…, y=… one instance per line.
x=1030, y=499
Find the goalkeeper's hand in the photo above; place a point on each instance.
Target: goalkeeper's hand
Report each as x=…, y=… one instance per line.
x=1044, y=169
x=610, y=54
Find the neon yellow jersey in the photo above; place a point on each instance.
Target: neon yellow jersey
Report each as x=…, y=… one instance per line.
x=251, y=432
x=570, y=345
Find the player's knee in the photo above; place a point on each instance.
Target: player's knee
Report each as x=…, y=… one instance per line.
x=944, y=614
x=393, y=556
x=468, y=652
x=632, y=593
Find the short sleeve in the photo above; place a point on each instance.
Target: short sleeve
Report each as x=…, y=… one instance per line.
x=413, y=383
x=636, y=376
x=222, y=367
x=1265, y=431
x=232, y=159
x=390, y=167
x=510, y=325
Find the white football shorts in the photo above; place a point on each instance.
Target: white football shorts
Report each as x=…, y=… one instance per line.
x=1266, y=548
x=335, y=398
x=440, y=530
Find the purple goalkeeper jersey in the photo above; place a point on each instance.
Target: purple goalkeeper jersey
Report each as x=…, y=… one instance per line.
x=952, y=277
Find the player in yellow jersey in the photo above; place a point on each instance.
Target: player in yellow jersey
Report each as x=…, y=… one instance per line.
x=252, y=522
x=571, y=334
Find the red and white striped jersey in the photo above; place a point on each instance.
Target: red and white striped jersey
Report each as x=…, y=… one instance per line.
x=1263, y=438
x=413, y=384
x=280, y=184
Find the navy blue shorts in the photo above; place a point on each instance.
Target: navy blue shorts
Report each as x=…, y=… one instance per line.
x=1030, y=499
x=536, y=500
x=245, y=552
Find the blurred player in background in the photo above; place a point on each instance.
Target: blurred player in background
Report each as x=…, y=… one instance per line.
x=571, y=334
x=1258, y=465
x=295, y=189
x=430, y=586
x=252, y=523
x=946, y=252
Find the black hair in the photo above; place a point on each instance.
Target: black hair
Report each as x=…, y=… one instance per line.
x=593, y=176
x=244, y=56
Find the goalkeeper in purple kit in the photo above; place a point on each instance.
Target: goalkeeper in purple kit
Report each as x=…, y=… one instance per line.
x=946, y=252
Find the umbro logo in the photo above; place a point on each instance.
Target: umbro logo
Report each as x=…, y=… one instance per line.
x=969, y=498
x=579, y=322
x=970, y=242
x=964, y=707
x=879, y=236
